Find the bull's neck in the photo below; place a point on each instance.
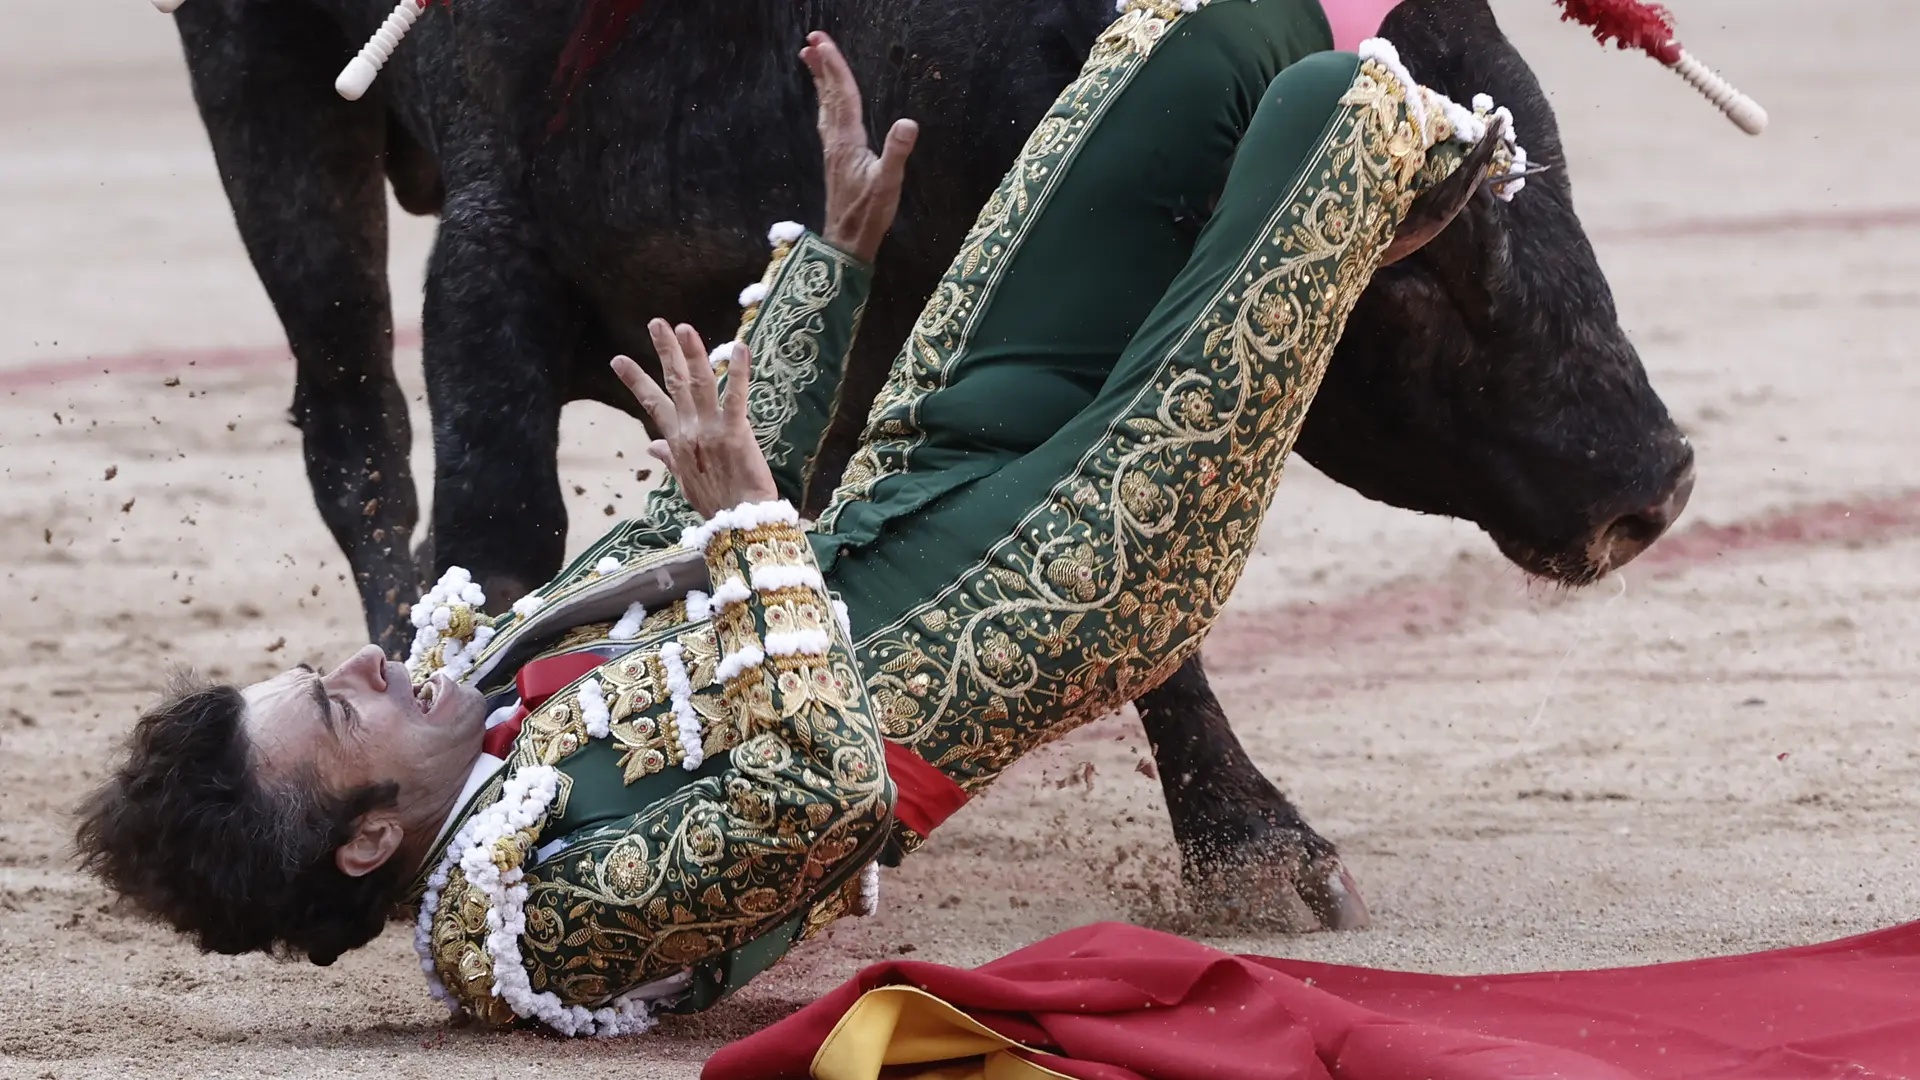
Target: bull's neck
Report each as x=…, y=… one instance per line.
x=736, y=23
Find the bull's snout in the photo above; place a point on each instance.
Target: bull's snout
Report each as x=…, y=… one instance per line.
x=1626, y=536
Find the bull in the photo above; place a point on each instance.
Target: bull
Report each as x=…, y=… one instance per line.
x=595, y=162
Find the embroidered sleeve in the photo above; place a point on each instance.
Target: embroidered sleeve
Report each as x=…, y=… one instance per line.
x=800, y=320
x=783, y=820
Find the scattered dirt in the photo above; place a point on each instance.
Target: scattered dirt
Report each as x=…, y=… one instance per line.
x=1715, y=756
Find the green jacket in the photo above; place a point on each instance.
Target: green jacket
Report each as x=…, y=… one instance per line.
x=634, y=871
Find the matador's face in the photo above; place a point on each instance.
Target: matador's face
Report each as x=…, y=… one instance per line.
x=363, y=724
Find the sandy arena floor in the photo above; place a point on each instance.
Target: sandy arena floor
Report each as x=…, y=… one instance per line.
x=1716, y=756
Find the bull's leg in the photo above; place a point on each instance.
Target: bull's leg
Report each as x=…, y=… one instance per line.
x=501, y=329
x=1244, y=849
x=303, y=171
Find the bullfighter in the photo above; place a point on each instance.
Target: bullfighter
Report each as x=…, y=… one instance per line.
x=639, y=787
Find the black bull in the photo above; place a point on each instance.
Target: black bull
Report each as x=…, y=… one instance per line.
x=1485, y=378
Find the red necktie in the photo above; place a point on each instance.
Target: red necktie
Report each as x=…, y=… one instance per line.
x=537, y=682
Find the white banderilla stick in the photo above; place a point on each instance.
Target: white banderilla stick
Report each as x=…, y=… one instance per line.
x=1739, y=108
x=359, y=72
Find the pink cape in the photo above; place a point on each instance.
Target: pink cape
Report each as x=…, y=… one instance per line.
x=1116, y=1002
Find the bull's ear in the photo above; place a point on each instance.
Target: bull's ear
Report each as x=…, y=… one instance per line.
x=1435, y=208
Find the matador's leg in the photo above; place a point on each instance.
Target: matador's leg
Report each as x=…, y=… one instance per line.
x=1002, y=598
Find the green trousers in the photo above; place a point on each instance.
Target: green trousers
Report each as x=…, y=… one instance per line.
x=1061, y=481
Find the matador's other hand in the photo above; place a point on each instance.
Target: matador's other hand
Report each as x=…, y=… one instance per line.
x=705, y=442
x=863, y=189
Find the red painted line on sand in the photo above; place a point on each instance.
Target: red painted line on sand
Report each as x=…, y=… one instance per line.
x=156, y=361
x=53, y=372
x=1477, y=592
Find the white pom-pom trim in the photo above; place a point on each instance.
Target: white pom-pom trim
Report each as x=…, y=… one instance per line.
x=593, y=709
x=1468, y=126
x=722, y=354
x=769, y=578
x=607, y=565
x=628, y=627
x=797, y=643
x=733, y=664
x=840, y=615
x=524, y=798
x=685, y=719
x=699, y=606
x=433, y=613
x=744, y=516
x=753, y=294
x=786, y=232
x=731, y=591
x=528, y=604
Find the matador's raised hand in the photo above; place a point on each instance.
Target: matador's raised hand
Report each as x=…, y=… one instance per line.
x=863, y=189
x=705, y=440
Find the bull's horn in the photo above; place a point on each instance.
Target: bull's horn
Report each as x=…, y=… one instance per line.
x=358, y=75
x=1435, y=208
x=168, y=7
x=1524, y=174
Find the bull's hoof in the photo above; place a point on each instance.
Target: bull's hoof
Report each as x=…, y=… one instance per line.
x=1285, y=878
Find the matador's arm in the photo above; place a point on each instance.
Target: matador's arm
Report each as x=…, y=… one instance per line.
x=799, y=319
x=799, y=806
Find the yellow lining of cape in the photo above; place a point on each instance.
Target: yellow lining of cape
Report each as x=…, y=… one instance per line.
x=905, y=1025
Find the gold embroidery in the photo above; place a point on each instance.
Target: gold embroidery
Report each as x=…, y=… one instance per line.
x=784, y=331
x=579, y=637
x=458, y=931
x=786, y=341
x=724, y=858
x=836, y=905
x=1111, y=583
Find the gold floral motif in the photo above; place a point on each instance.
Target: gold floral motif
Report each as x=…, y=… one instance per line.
x=1075, y=571
x=836, y=905
x=797, y=610
x=804, y=686
x=456, y=943
x=772, y=551
x=554, y=731
x=643, y=728
x=700, y=653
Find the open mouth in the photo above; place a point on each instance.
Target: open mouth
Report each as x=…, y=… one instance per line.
x=426, y=694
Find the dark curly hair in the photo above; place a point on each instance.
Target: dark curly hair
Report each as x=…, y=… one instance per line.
x=191, y=834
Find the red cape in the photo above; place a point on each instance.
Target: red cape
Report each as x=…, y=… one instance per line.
x=1116, y=1002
